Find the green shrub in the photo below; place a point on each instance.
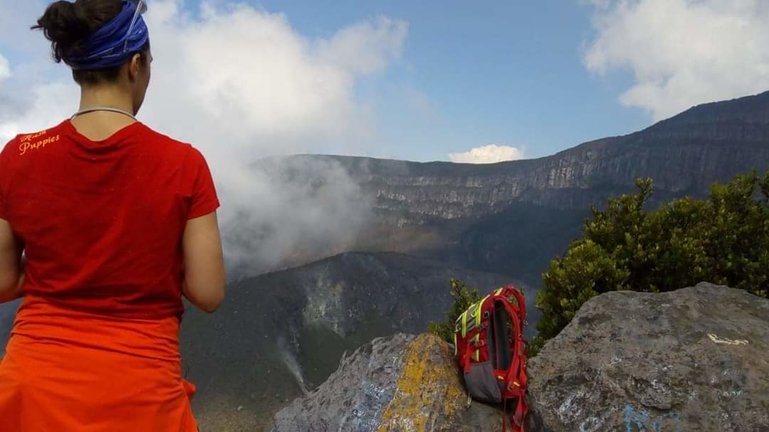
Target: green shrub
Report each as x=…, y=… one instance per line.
x=723, y=239
x=463, y=296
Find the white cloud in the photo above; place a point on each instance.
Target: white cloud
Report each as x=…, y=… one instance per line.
x=232, y=79
x=5, y=69
x=246, y=76
x=365, y=47
x=488, y=154
x=47, y=105
x=239, y=83
x=682, y=52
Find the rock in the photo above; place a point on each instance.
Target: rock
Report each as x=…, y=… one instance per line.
x=695, y=359
x=400, y=383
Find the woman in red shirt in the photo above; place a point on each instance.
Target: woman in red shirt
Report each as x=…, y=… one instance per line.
x=104, y=225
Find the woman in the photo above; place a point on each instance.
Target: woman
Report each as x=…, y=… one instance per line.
x=104, y=225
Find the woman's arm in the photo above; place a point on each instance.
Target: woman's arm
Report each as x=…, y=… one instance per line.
x=204, y=277
x=11, y=274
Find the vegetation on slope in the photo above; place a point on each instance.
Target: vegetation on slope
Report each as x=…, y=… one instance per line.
x=723, y=239
x=463, y=296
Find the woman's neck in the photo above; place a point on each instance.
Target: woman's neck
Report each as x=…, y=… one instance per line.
x=99, y=125
x=106, y=96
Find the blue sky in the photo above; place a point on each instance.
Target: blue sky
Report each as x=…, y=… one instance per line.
x=415, y=80
x=494, y=72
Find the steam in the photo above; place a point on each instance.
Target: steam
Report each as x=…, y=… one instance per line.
x=293, y=366
x=289, y=210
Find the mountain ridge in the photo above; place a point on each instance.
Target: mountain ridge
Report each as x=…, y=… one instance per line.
x=576, y=168
x=437, y=209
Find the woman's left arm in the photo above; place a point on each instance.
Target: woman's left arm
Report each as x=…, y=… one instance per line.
x=11, y=273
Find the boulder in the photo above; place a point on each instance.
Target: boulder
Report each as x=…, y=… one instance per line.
x=696, y=359
x=400, y=383
x=692, y=359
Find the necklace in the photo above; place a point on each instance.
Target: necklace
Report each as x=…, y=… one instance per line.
x=110, y=109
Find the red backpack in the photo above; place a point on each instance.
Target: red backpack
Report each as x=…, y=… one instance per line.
x=489, y=346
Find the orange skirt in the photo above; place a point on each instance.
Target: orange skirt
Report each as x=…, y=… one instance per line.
x=67, y=371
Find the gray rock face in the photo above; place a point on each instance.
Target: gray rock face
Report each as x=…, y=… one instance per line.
x=400, y=383
x=684, y=154
x=354, y=396
x=695, y=359
x=470, y=215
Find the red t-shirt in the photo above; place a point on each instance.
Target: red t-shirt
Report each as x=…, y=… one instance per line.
x=102, y=222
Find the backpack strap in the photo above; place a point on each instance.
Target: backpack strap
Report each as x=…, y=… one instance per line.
x=470, y=326
x=515, y=419
x=515, y=381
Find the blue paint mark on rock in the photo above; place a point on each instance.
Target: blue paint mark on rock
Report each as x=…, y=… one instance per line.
x=642, y=421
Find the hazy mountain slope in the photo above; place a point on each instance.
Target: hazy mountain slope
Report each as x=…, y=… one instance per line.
x=284, y=332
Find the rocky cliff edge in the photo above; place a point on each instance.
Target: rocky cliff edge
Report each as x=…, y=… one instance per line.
x=692, y=359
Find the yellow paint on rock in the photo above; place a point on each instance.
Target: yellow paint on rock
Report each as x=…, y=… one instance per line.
x=429, y=393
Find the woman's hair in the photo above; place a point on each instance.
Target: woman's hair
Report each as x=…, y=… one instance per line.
x=67, y=25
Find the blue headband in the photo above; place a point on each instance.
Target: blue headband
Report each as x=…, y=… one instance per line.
x=113, y=43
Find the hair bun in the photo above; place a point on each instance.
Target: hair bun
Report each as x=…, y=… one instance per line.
x=67, y=24
x=63, y=24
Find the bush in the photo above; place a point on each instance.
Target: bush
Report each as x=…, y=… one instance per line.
x=463, y=296
x=723, y=239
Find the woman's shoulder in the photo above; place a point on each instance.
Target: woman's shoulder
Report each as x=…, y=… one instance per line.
x=166, y=143
x=154, y=135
